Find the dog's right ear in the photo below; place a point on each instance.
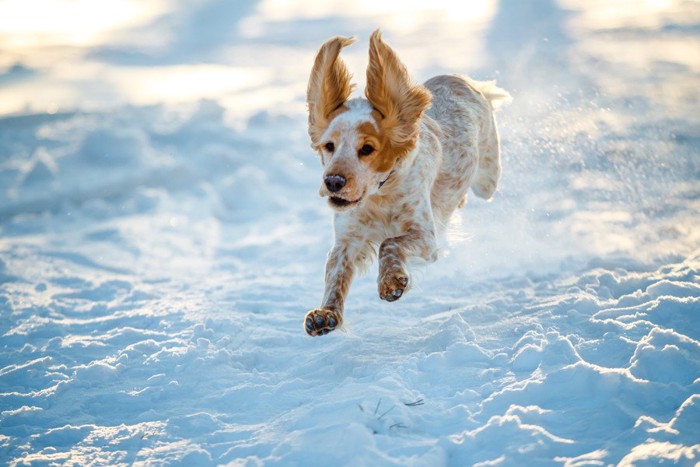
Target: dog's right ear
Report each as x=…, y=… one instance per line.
x=329, y=86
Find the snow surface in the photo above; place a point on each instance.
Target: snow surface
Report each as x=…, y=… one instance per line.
x=161, y=239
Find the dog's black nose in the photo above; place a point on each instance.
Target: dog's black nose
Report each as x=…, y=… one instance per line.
x=334, y=182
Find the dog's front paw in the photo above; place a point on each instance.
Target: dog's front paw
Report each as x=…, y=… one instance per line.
x=392, y=285
x=319, y=322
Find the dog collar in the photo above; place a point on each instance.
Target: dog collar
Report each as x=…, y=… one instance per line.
x=387, y=178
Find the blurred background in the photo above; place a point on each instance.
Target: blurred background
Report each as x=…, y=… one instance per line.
x=62, y=55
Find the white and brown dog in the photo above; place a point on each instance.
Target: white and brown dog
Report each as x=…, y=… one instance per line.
x=397, y=164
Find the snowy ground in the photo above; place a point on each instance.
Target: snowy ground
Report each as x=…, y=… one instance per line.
x=161, y=239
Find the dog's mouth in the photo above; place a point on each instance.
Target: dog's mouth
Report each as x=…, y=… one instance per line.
x=342, y=203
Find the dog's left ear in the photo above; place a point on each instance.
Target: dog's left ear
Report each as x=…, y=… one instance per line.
x=329, y=86
x=399, y=104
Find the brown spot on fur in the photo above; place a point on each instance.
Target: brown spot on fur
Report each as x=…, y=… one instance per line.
x=369, y=135
x=384, y=157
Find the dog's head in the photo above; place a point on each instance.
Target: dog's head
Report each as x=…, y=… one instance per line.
x=360, y=140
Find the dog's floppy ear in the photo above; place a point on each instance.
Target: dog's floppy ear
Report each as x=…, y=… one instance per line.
x=329, y=85
x=398, y=103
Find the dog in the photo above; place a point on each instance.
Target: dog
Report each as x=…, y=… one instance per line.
x=397, y=164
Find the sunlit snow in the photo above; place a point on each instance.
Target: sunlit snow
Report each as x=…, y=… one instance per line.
x=161, y=239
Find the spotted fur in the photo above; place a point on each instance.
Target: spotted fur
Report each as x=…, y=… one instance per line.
x=429, y=144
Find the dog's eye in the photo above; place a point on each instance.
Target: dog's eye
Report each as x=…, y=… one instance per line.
x=330, y=147
x=366, y=150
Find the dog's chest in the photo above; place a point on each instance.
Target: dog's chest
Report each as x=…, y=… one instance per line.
x=377, y=221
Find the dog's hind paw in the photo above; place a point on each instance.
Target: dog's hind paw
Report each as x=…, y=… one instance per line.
x=319, y=322
x=392, y=285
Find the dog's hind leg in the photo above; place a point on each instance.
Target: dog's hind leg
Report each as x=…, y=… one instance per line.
x=488, y=171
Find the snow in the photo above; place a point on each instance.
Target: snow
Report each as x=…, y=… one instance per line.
x=161, y=239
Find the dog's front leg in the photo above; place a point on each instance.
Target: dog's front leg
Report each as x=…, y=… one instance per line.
x=341, y=265
x=417, y=241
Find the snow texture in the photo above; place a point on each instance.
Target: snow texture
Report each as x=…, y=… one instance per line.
x=161, y=239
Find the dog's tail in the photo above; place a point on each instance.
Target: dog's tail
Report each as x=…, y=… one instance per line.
x=496, y=96
x=489, y=171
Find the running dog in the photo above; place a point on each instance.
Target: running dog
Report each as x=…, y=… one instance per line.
x=396, y=165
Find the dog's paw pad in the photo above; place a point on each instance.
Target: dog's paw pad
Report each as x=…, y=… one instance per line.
x=395, y=296
x=392, y=286
x=308, y=325
x=320, y=322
